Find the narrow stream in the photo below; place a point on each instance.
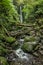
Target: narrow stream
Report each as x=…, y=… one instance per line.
x=21, y=54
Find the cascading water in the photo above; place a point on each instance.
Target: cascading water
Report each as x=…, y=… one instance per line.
x=21, y=17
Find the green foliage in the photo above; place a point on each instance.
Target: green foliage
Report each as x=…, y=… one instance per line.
x=33, y=10
x=8, y=13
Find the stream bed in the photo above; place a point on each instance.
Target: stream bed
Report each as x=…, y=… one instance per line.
x=19, y=57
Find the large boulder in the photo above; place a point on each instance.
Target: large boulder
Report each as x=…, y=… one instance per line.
x=30, y=46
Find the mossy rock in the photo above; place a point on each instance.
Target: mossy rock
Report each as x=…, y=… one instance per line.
x=10, y=39
x=30, y=46
x=15, y=45
x=3, y=61
x=29, y=38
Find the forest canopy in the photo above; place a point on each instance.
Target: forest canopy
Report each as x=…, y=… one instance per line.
x=30, y=9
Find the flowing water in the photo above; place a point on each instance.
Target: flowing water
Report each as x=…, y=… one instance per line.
x=21, y=54
x=21, y=17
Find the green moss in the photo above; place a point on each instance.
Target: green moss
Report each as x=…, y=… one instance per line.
x=30, y=47
x=27, y=47
x=10, y=39
x=3, y=61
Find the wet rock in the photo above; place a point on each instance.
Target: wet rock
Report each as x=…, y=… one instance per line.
x=11, y=56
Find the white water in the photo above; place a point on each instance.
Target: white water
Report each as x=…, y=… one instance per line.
x=21, y=54
x=21, y=18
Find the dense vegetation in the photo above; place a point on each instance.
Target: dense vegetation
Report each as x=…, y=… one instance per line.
x=20, y=19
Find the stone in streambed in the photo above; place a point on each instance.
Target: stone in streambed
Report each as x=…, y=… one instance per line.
x=30, y=46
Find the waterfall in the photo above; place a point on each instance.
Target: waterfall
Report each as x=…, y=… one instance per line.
x=21, y=17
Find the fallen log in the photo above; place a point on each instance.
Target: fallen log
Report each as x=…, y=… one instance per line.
x=24, y=25
x=18, y=33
